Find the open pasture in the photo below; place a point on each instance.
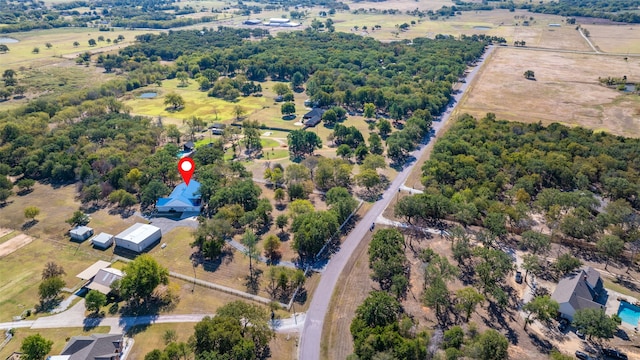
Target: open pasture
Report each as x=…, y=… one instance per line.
x=621, y=39
x=21, y=53
x=566, y=90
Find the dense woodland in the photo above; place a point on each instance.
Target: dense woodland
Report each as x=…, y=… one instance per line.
x=499, y=173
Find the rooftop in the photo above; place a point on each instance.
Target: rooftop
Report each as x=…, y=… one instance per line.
x=137, y=233
x=581, y=289
x=183, y=194
x=80, y=230
x=102, y=238
x=103, y=280
x=92, y=270
x=94, y=347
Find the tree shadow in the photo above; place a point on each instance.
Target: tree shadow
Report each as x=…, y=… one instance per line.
x=252, y=281
x=226, y=257
x=284, y=236
x=543, y=345
x=92, y=321
x=24, y=192
x=123, y=212
x=29, y=224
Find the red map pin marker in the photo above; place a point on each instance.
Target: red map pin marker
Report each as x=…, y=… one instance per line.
x=186, y=166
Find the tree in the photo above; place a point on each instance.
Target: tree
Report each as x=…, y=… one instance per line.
x=282, y=221
x=303, y=143
x=468, y=298
x=369, y=179
x=279, y=195
x=375, y=144
x=152, y=192
x=529, y=74
x=211, y=236
x=92, y=42
x=25, y=184
x=374, y=162
x=329, y=117
x=50, y=288
x=174, y=100
x=378, y=309
x=30, y=212
x=183, y=77
x=250, y=240
x=388, y=261
x=344, y=151
x=566, y=263
x=493, y=346
x=48, y=45
x=35, y=347
x=52, y=269
x=288, y=108
x=297, y=79
x=610, y=246
x=369, y=110
x=4, y=48
x=531, y=263
x=76, y=44
x=36, y=50
x=141, y=277
x=280, y=88
x=312, y=231
x=384, y=127
x=436, y=296
x=541, y=308
x=595, y=323
x=78, y=218
x=536, y=242
x=94, y=300
x=238, y=111
x=271, y=246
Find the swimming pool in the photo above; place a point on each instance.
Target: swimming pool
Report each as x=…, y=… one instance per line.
x=629, y=313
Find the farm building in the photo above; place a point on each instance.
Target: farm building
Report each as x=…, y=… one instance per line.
x=252, y=22
x=278, y=20
x=313, y=117
x=102, y=241
x=81, y=233
x=138, y=237
x=217, y=128
x=184, y=198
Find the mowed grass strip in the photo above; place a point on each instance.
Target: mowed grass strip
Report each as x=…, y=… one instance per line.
x=59, y=338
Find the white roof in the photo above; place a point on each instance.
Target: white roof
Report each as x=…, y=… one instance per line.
x=102, y=238
x=92, y=270
x=137, y=233
x=80, y=230
x=59, y=357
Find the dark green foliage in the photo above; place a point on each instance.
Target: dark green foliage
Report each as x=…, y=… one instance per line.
x=302, y=143
x=595, y=323
x=311, y=231
x=35, y=347
x=142, y=276
x=388, y=261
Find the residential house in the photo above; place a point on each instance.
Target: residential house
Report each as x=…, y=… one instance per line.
x=94, y=347
x=583, y=289
x=184, y=198
x=313, y=117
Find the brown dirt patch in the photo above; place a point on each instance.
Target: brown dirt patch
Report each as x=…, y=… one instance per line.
x=566, y=90
x=14, y=244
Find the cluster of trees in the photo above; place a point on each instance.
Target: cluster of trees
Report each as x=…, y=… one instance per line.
x=489, y=345
x=622, y=11
x=388, y=262
x=392, y=76
x=494, y=172
x=238, y=330
x=51, y=285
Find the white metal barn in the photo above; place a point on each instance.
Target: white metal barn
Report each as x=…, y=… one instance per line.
x=102, y=241
x=138, y=237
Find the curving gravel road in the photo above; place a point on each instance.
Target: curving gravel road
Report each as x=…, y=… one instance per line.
x=310, y=338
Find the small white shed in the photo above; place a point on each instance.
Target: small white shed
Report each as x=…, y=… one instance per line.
x=102, y=241
x=138, y=237
x=81, y=233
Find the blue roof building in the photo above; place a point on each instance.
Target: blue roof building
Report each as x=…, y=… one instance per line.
x=182, y=199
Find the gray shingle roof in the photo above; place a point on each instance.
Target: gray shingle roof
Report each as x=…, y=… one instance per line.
x=94, y=347
x=580, y=289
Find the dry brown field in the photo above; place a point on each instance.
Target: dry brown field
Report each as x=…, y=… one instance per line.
x=615, y=38
x=566, y=90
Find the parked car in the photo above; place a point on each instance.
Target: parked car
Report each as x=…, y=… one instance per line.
x=615, y=354
x=562, y=326
x=583, y=356
x=518, y=277
x=580, y=334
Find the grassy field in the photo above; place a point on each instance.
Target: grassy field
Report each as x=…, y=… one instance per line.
x=615, y=38
x=566, y=90
x=20, y=54
x=58, y=337
x=21, y=272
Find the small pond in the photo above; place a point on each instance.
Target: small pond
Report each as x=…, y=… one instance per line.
x=482, y=28
x=628, y=88
x=8, y=40
x=148, y=95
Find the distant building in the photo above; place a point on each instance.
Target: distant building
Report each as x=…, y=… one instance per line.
x=278, y=21
x=138, y=237
x=81, y=233
x=189, y=146
x=182, y=199
x=581, y=290
x=217, y=128
x=555, y=25
x=279, y=98
x=102, y=241
x=94, y=347
x=281, y=22
x=252, y=22
x=313, y=117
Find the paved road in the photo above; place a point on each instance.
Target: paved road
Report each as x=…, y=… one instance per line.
x=312, y=331
x=74, y=317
